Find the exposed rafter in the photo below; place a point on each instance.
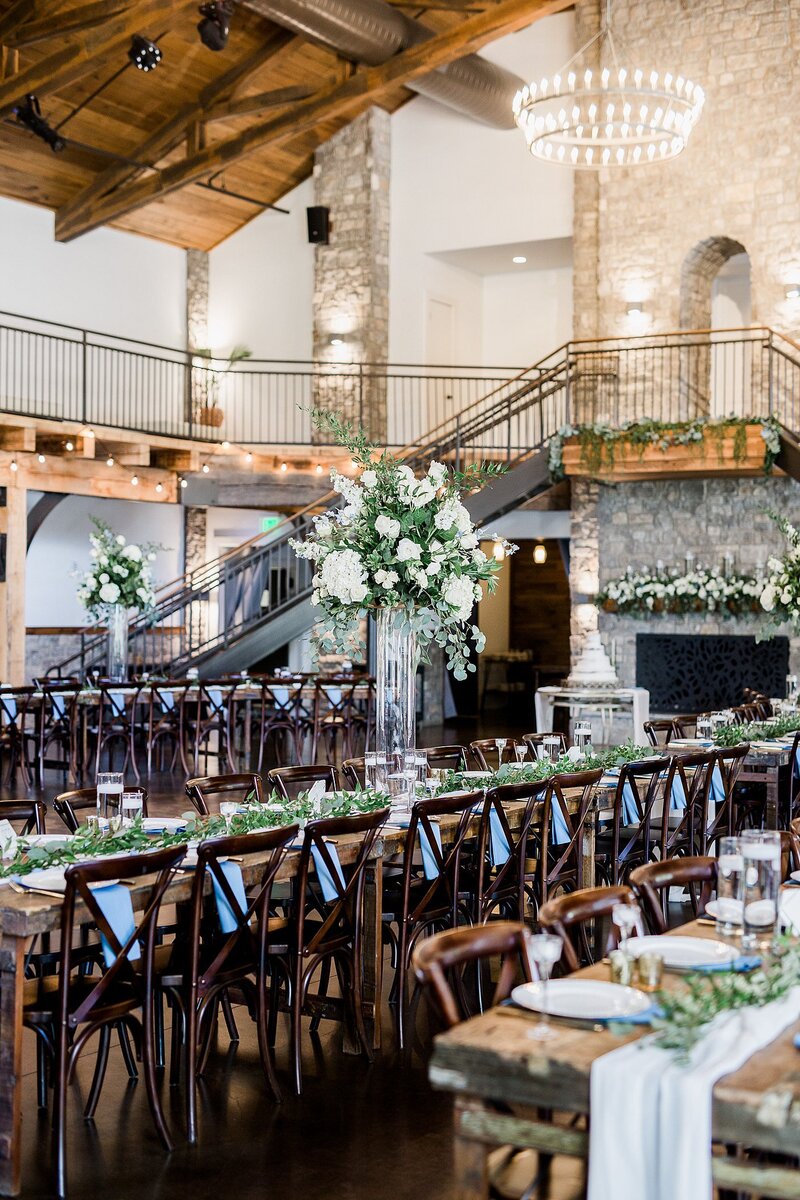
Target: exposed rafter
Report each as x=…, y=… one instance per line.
x=80, y=52
x=248, y=105
x=175, y=128
x=368, y=85
x=59, y=24
x=11, y=20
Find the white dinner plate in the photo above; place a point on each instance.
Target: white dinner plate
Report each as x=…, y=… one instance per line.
x=691, y=742
x=51, y=879
x=732, y=910
x=591, y=999
x=46, y=839
x=163, y=824
x=477, y=774
x=684, y=953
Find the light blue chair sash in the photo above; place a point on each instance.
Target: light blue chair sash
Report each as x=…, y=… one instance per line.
x=334, y=695
x=59, y=702
x=330, y=891
x=430, y=862
x=215, y=697
x=229, y=919
x=117, y=702
x=167, y=701
x=10, y=708
x=499, y=849
x=559, y=833
x=117, y=907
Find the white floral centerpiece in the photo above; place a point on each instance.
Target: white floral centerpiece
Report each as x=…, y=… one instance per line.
x=120, y=573
x=119, y=582
x=780, y=596
x=399, y=542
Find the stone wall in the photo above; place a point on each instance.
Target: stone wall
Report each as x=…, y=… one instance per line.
x=640, y=523
x=734, y=186
x=351, y=274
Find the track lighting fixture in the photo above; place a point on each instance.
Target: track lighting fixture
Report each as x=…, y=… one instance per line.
x=216, y=23
x=29, y=113
x=144, y=54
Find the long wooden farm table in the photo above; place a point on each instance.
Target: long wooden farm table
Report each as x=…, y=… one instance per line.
x=490, y=1065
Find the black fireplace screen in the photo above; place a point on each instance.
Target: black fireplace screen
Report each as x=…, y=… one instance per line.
x=695, y=672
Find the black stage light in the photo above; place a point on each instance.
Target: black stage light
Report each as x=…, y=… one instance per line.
x=144, y=54
x=29, y=114
x=215, y=25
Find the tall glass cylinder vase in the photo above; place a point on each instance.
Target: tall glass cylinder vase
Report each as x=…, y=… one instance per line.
x=117, y=651
x=396, y=682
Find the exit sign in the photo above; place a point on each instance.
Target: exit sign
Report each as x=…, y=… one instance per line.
x=268, y=523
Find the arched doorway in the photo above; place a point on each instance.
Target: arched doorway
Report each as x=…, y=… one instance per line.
x=715, y=295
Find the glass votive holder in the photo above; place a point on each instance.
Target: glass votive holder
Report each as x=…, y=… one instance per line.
x=650, y=970
x=620, y=967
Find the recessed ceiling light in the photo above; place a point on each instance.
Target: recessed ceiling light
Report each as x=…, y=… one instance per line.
x=519, y=258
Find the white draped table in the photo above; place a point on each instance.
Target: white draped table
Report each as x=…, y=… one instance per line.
x=582, y=701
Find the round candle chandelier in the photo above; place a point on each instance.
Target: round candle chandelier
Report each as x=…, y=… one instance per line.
x=610, y=116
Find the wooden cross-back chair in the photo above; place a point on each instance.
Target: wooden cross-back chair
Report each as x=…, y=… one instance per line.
x=439, y=958
x=561, y=865
x=290, y=781
x=652, y=882
x=571, y=917
x=640, y=787
x=206, y=793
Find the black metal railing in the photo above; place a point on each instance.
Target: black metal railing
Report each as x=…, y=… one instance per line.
x=669, y=377
x=68, y=374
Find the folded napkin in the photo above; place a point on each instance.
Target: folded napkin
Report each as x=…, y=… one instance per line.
x=59, y=705
x=430, y=864
x=329, y=888
x=117, y=907
x=742, y=964
x=9, y=707
x=559, y=833
x=789, y=908
x=280, y=695
x=167, y=700
x=215, y=696
x=228, y=918
x=650, y=1129
x=117, y=702
x=499, y=849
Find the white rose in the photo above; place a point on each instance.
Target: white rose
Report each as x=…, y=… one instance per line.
x=786, y=596
x=369, y=478
x=434, y=568
x=142, y=593
x=342, y=575
x=437, y=473
x=457, y=592
x=133, y=553
x=109, y=593
x=469, y=541
x=151, y=557
x=104, y=578
x=422, y=494
x=386, y=578
x=387, y=527
x=120, y=540
x=408, y=550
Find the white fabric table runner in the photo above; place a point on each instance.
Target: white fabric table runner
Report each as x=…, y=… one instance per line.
x=650, y=1128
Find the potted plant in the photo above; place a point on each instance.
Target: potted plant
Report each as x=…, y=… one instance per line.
x=209, y=384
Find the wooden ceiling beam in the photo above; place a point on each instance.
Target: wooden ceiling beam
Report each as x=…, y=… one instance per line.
x=169, y=134
x=366, y=86
x=19, y=12
x=59, y=24
x=248, y=105
x=83, y=51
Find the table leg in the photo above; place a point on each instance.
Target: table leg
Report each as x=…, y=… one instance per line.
x=12, y=970
x=373, y=949
x=469, y=1160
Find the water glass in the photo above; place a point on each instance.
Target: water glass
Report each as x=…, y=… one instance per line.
x=582, y=735
x=705, y=728
x=109, y=793
x=628, y=919
x=436, y=777
x=376, y=770
x=730, y=884
x=132, y=807
x=544, y=951
x=761, y=862
x=552, y=747
x=791, y=688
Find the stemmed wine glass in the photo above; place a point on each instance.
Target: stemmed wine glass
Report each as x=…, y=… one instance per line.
x=501, y=745
x=544, y=951
x=521, y=751
x=627, y=918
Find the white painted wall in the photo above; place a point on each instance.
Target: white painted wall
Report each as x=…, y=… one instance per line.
x=107, y=280
x=62, y=546
x=262, y=283
x=526, y=315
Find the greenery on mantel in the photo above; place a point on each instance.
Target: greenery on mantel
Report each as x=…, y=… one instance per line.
x=670, y=593
x=598, y=441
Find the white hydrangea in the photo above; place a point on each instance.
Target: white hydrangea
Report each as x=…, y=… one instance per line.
x=342, y=576
x=133, y=553
x=387, y=527
x=457, y=591
x=369, y=479
x=109, y=593
x=120, y=539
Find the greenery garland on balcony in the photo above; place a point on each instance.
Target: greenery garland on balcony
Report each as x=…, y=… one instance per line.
x=598, y=441
x=669, y=592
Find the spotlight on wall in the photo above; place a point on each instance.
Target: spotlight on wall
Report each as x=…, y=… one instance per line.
x=28, y=112
x=144, y=54
x=216, y=23
x=635, y=308
x=540, y=553
x=793, y=291
x=69, y=445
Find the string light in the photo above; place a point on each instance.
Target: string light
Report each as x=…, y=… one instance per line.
x=319, y=468
x=540, y=553
x=248, y=458
x=284, y=467
x=13, y=465
x=226, y=445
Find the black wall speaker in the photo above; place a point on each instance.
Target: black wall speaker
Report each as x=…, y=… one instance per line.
x=319, y=224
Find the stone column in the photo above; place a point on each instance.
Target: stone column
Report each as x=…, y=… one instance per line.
x=196, y=327
x=194, y=557
x=584, y=562
x=351, y=274
x=586, y=240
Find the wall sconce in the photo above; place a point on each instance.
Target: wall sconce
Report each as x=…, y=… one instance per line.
x=499, y=551
x=793, y=291
x=635, y=308
x=540, y=554
x=337, y=341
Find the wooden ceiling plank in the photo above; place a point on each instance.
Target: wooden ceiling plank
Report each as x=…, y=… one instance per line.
x=58, y=24
x=248, y=105
x=167, y=135
x=343, y=101
x=82, y=52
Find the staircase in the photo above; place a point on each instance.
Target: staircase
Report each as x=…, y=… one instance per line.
x=254, y=599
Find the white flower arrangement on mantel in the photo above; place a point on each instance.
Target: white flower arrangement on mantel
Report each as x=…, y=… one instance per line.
x=120, y=574
x=403, y=542
x=670, y=592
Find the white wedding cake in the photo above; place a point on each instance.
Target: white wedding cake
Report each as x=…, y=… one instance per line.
x=593, y=668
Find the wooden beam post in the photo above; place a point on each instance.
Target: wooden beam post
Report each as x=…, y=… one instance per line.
x=345, y=100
